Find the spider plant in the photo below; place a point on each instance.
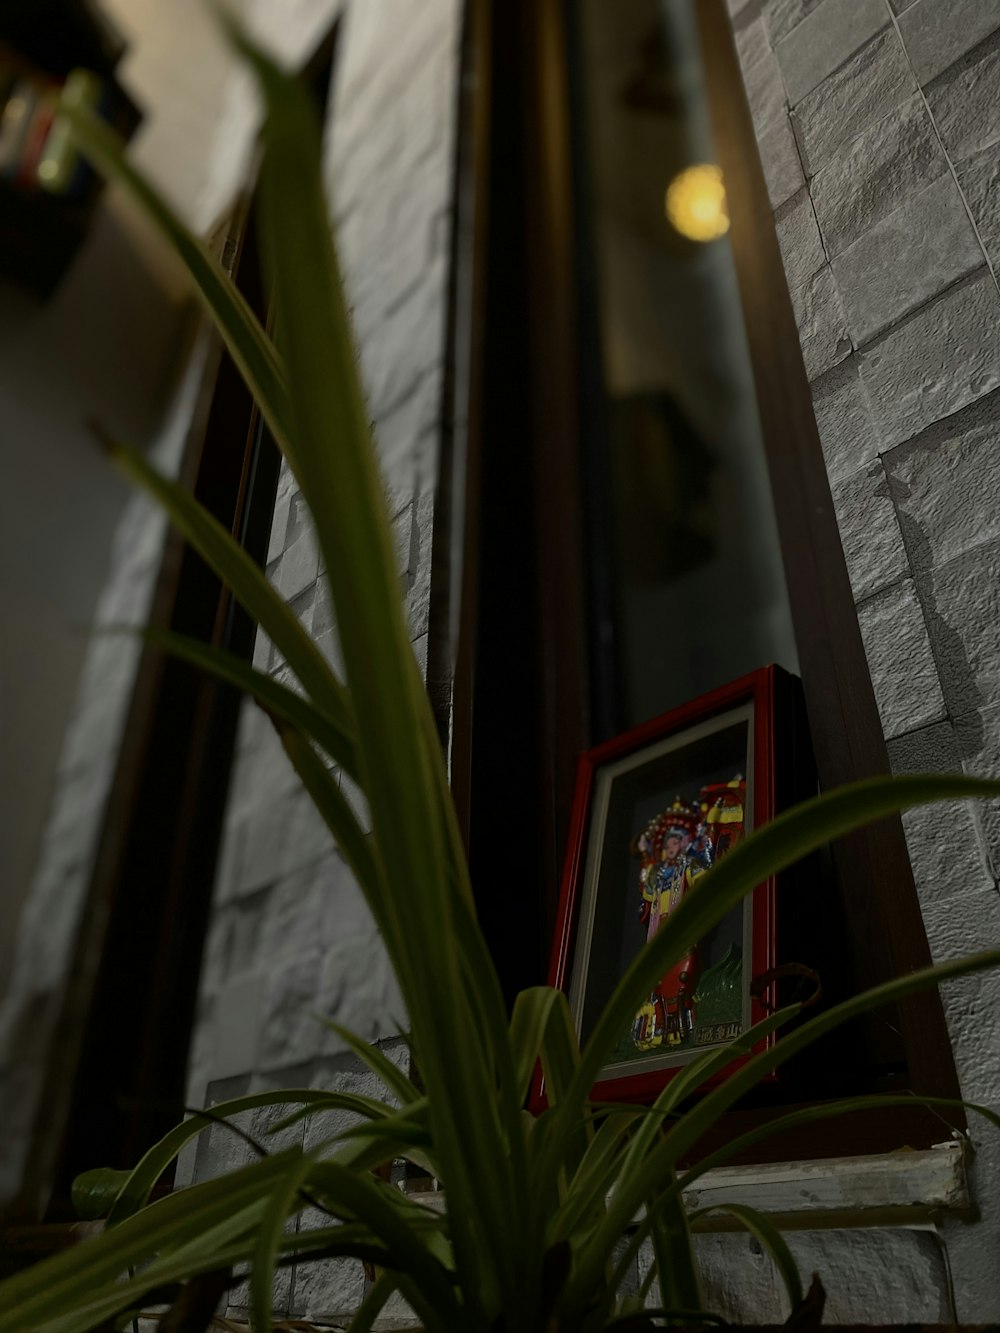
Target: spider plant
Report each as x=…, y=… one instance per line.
x=544, y=1213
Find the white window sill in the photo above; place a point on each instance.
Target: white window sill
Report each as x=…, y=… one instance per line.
x=909, y=1187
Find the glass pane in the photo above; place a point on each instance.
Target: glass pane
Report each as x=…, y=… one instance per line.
x=679, y=495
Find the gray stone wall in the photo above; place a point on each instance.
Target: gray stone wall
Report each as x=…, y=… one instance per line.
x=879, y=131
x=291, y=939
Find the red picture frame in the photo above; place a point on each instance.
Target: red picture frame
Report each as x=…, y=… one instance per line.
x=702, y=746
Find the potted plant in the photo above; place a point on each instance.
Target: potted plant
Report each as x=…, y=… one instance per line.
x=543, y=1211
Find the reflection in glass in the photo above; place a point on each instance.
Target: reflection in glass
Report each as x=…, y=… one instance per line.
x=695, y=588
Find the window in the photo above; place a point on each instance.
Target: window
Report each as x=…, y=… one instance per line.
x=549, y=617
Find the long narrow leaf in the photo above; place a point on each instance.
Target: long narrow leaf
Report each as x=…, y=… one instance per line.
x=770, y=849
x=268, y=1237
x=378, y=1062
x=528, y=1021
x=685, y=1133
x=334, y=737
x=340, y=819
x=136, y=1190
x=249, y=346
x=48, y=1290
x=244, y=578
x=434, y=1297
x=673, y=1251
x=372, y=1305
x=368, y=1107
x=340, y=481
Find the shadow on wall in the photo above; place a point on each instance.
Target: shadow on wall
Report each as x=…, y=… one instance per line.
x=108, y=345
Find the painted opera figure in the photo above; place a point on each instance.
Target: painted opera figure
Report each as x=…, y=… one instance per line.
x=675, y=849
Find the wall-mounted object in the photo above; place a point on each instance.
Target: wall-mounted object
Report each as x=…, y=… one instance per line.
x=655, y=808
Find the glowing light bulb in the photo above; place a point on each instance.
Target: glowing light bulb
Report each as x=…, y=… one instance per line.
x=696, y=203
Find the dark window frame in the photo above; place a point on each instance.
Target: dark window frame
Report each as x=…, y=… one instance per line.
x=519, y=726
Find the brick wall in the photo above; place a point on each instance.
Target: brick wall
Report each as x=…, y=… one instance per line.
x=291, y=937
x=879, y=131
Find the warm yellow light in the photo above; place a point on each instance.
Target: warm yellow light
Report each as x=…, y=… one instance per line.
x=696, y=203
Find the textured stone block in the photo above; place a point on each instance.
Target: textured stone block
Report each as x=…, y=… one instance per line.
x=344, y=911
x=821, y=322
x=308, y=838
x=874, y=174
x=326, y=1289
x=292, y=918
x=765, y=91
x=290, y=1031
x=407, y=436
x=779, y=155
x=418, y=589
x=236, y=1028
x=824, y=40
x=965, y=103
x=264, y=837
x=783, y=16
x=877, y=1274
x=957, y=926
x=962, y=604
x=946, y=484
x=942, y=358
x=262, y=649
x=752, y=41
x=354, y=986
x=869, y=532
x=979, y=177
x=279, y=527
x=910, y=256
x=978, y=741
x=939, y=32
x=299, y=566
x=932, y=749
x=302, y=606
x=872, y=84
x=945, y=853
x=899, y=656
x=844, y=420
x=246, y=942
x=798, y=235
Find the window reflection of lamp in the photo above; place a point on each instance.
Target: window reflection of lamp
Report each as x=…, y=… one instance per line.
x=696, y=203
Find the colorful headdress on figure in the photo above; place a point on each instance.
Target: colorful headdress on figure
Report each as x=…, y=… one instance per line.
x=679, y=820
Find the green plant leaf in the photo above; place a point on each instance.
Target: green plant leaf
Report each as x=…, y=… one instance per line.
x=284, y=1192
x=357, y=850
x=371, y=1307
x=431, y=1293
x=528, y=1022
x=771, y=848
x=93, y=1192
x=368, y=1107
x=140, y=1181
x=378, y=1062
x=673, y=1252
x=50, y=1290
x=236, y=569
x=684, y=1133
x=248, y=344
x=276, y=699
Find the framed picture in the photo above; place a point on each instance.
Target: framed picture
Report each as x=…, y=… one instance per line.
x=655, y=808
